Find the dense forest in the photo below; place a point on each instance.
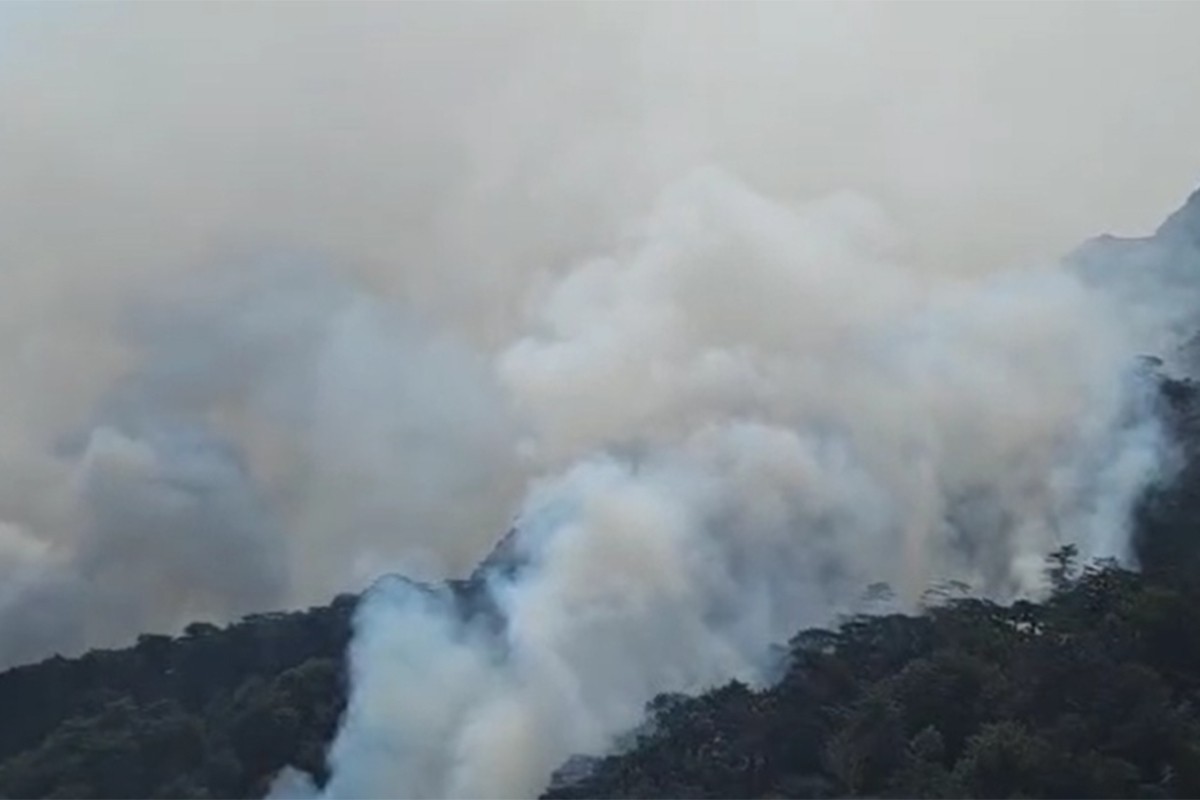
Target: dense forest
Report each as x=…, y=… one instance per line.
x=213, y=713
x=1094, y=692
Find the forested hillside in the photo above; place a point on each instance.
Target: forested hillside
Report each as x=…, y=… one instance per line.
x=213, y=713
x=1092, y=694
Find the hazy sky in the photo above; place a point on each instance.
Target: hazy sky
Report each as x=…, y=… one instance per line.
x=435, y=146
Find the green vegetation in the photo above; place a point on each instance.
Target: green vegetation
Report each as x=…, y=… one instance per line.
x=1095, y=693
x=213, y=713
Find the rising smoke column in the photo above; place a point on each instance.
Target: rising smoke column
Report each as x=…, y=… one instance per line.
x=757, y=411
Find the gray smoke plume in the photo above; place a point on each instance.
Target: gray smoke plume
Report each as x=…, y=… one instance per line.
x=790, y=415
x=718, y=301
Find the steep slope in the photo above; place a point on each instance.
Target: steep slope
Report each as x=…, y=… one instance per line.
x=1156, y=271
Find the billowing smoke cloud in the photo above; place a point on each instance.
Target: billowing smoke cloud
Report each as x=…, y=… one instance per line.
x=293, y=297
x=767, y=412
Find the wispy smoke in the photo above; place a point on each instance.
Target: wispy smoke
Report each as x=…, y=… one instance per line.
x=292, y=298
x=283, y=436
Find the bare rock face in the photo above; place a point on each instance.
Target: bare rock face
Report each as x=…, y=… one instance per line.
x=1159, y=272
x=470, y=601
x=504, y=560
x=1163, y=270
x=1183, y=226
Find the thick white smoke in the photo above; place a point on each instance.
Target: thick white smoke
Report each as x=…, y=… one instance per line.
x=293, y=296
x=768, y=413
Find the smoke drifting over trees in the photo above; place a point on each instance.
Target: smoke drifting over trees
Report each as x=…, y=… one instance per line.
x=733, y=320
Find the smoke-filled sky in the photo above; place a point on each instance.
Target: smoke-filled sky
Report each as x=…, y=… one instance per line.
x=735, y=308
